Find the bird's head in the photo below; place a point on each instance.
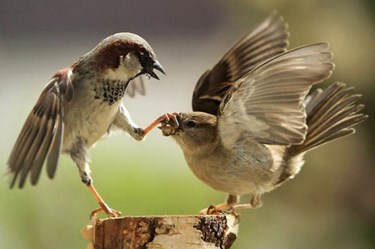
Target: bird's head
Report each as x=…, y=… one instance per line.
x=124, y=56
x=193, y=131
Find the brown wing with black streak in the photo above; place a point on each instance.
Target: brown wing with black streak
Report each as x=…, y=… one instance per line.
x=40, y=139
x=267, y=40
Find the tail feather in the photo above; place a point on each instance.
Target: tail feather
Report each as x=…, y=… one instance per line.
x=331, y=114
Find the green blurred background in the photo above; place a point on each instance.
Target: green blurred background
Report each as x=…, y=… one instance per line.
x=330, y=204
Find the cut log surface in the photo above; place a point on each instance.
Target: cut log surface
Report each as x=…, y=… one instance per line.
x=185, y=232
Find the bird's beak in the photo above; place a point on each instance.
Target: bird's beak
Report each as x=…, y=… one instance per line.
x=158, y=67
x=167, y=130
x=172, y=127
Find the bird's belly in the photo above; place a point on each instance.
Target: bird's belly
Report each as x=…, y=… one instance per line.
x=88, y=121
x=234, y=176
x=220, y=177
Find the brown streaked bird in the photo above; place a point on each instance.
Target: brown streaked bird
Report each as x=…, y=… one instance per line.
x=80, y=105
x=247, y=135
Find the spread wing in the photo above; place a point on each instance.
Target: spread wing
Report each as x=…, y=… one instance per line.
x=40, y=139
x=267, y=104
x=267, y=40
x=136, y=86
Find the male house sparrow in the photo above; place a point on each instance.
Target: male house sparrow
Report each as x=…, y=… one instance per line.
x=78, y=106
x=252, y=122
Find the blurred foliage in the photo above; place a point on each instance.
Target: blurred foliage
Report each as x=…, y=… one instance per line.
x=330, y=204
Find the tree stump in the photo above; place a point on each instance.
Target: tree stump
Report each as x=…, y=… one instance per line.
x=181, y=231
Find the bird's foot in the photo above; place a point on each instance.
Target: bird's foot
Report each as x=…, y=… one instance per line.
x=111, y=213
x=223, y=208
x=169, y=126
x=168, y=118
x=244, y=206
x=226, y=208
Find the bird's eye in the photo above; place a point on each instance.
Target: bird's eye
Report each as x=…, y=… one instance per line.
x=190, y=124
x=143, y=59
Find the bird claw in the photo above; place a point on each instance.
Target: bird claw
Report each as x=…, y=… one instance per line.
x=221, y=209
x=103, y=206
x=163, y=120
x=170, y=124
x=111, y=213
x=169, y=119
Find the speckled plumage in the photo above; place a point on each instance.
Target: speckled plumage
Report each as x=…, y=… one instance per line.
x=79, y=105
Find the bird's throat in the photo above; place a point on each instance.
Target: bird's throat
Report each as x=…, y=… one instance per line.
x=110, y=91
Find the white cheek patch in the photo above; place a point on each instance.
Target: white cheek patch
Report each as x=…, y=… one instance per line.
x=128, y=68
x=131, y=63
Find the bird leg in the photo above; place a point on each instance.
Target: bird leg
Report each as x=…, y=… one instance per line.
x=103, y=206
x=165, y=119
x=120, y=121
x=125, y=123
x=255, y=202
x=232, y=204
x=79, y=155
x=228, y=206
x=169, y=128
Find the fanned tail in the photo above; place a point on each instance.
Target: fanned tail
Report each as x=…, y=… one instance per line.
x=331, y=114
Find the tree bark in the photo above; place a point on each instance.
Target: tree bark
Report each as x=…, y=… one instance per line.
x=182, y=231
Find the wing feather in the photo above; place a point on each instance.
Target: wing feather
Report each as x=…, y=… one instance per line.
x=45, y=143
x=136, y=86
x=55, y=149
x=267, y=40
x=268, y=103
x=41, y=135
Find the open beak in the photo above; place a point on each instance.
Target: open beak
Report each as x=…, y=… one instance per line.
x=158, y=67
